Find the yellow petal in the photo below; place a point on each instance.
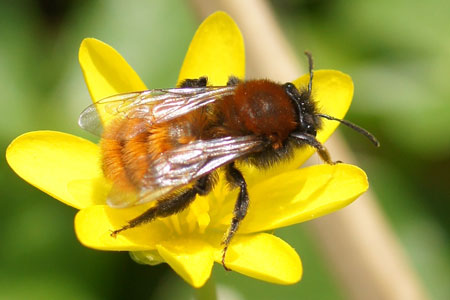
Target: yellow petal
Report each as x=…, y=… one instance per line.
x=105, y=71
x=216, y=51
x=265, y=257
x=333, y=93
x=93, y=226
x=62, y=165
x=302, y=195
x=192, y=259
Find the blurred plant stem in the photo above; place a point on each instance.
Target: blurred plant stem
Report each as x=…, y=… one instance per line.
x=358, y=242
x=207, y=291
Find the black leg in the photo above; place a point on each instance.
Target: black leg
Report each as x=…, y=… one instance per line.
x=171, y=205
x=233, y=80
x=234, y=176
x=200, y=82
x=311, y=140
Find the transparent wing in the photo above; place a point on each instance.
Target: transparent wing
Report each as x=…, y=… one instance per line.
x=154, y=106
x=177, y=168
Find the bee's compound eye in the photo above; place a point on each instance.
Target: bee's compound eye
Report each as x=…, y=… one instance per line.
x=291, y=90
x=311, y=130
x=289, y=85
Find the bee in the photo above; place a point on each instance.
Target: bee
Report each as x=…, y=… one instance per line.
x=166, y=145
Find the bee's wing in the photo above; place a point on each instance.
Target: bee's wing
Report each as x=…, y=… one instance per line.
x=180, y=166
x=154, y=106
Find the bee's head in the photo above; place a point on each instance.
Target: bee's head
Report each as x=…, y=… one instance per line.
x=307, y=119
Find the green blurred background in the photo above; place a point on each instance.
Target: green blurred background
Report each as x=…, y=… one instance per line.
x=398, y=53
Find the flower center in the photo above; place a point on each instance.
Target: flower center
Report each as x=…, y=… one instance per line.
x=195, y=219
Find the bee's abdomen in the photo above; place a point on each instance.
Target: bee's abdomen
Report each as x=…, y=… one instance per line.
x=129, y=147
x=124, y=149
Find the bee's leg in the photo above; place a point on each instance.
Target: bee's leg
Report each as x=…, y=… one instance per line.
x=234, y=176
x=171, y=205
x=200, y=82
x=233, y=80
x=311, y=140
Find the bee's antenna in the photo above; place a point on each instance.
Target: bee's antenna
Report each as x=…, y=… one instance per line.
x=311, y=66
x=355, y=127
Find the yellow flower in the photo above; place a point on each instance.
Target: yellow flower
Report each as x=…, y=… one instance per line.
x=68, y=168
